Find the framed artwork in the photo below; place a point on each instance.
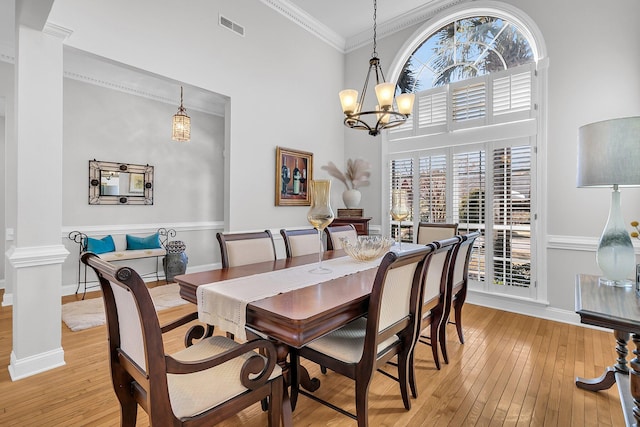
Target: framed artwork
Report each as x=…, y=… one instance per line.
x=294, y=169
x=136, y=183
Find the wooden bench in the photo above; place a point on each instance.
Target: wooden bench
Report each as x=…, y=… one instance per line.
x=119, y=255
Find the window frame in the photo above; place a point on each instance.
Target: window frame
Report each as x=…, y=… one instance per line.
x=532, y=128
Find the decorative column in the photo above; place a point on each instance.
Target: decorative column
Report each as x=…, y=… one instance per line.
x=36, y=257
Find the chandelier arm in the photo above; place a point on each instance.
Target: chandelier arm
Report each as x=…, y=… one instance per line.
x=364, y=88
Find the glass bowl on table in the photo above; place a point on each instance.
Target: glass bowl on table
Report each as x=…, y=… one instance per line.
x=367, y=248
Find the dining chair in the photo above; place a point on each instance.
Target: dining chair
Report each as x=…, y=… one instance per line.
x=246, y=248
x=459, y=273
x=300, y=242
x=432, y=231
x=359, y=348
x=435, y=297
x=203, y=384
x=337, y=232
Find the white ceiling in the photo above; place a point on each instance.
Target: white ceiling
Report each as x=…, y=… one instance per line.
x=348, y=18
x=344, y=24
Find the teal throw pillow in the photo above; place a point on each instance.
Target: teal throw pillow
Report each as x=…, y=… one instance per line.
x=100, y=246
x=149, y=242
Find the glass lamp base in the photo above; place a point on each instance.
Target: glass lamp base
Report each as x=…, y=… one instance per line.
x=320, y=270
x=617, y=283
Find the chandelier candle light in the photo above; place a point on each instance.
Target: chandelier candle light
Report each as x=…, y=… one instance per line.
x=181, y=129
x=383, y=116
x=608, y=156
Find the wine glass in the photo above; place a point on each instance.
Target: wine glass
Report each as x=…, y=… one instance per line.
x=320, y=214
x=399, y=211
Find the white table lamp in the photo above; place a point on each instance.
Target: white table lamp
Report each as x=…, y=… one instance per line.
x=609, y=156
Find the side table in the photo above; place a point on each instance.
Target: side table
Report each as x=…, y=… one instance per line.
x=360, y=223
x=617, y=309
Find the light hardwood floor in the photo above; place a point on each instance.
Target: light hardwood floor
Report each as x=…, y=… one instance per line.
x=512, y=370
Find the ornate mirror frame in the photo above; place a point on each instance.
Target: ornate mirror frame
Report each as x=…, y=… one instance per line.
x=139, y=191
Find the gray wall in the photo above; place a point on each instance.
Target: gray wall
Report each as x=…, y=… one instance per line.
x=110, y=125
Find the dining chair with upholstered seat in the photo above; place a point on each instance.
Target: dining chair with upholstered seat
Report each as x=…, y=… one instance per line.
x=359, y=348
x=459, y=273
x=300, y=242
x=203, y=384
x=337, y=232
x=435, y=301
x=246, y=248
x=433, y=231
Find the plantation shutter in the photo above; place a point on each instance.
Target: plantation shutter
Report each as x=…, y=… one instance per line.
x=469, y=201
x=433, y=188
x=512, y=216
x=402, y=178
x=468, y=103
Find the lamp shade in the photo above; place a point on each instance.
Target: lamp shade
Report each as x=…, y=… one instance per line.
x=609, y=153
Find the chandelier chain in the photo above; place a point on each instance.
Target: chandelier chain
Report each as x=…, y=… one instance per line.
x=375, y=14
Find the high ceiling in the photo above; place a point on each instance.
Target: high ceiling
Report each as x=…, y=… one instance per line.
x=347, y=18
x=344, y=24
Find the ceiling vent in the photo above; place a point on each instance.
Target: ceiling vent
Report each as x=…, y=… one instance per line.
x=228, y=23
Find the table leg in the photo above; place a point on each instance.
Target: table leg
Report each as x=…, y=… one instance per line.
x=300, y=378
x=608, y=378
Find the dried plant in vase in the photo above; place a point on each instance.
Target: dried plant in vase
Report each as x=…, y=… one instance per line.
x=354, y=177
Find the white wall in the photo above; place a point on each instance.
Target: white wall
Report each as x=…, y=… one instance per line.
x=2, y=169
x=593, y=75
x=9, y=169
x=281, y=80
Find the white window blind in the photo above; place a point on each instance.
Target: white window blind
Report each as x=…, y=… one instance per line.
x=512, y=216
x=432, y=108
x=512, y=93
x=433, y=188
x=468, y=101
x=494, y=98
x=469, y=201
x=402, y=178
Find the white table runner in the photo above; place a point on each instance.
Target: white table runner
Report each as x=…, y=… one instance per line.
x=224, y=304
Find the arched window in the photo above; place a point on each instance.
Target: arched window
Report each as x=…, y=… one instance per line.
x=464, y=49
x=468, y=152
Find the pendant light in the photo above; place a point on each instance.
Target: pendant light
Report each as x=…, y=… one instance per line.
x=181, y=129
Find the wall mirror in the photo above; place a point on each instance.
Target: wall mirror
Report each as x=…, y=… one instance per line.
x=113, y=183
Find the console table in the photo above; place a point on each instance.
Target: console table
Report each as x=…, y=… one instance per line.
x=618, y=309
x=360, y=223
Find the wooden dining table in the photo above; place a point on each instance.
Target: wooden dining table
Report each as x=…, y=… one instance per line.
x=294, y=318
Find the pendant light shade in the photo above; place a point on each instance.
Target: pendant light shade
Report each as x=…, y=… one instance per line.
x=181, y=129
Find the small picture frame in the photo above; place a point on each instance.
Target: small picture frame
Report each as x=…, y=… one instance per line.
x=294, y=170
x=136, y=183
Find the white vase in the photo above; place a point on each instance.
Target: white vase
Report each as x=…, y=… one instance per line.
x=351, y=198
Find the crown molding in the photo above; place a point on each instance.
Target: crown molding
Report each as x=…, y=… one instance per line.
x=57, y=30
x=132, y=91
x=308, y=22
x=401, y=22
x=326, y=34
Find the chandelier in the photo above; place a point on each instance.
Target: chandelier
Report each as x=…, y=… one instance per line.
x=181, y=129
x=384, y=115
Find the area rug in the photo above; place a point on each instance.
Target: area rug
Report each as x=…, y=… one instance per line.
x=79, y=315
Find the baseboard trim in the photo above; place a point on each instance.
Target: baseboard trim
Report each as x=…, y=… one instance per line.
x=528, y=308
x=32, y=365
